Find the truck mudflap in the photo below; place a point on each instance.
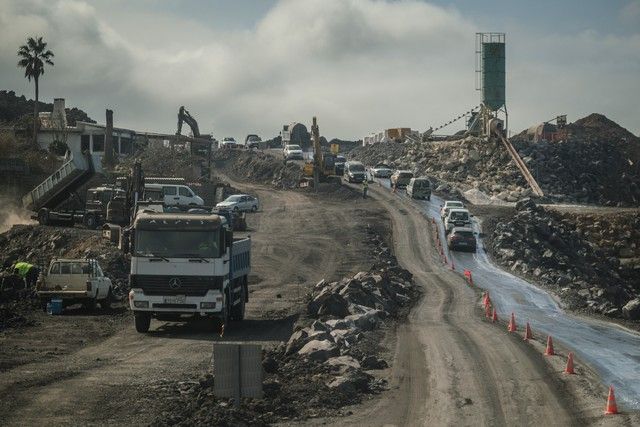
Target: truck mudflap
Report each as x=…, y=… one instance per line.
x=209, y=304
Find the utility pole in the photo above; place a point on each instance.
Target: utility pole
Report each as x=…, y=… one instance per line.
x=317, y=153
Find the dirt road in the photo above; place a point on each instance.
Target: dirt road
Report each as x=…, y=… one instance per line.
x=114, y=379
x=453, y=368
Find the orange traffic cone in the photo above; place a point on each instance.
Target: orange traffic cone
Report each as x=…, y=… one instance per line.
x=470, y=279
x=549, y=350
x=527, y=333
x=512, y=324
x=612, y=407
x=485, y=298
x=487, y=311
x=569, y=368
x=494, y=318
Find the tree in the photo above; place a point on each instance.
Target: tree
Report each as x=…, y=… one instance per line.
x=33, y=56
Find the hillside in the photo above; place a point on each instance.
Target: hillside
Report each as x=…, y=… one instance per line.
x=13, y=108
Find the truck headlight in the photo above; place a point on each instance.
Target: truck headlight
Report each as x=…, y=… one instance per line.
x=141, y=304
x=207, y=305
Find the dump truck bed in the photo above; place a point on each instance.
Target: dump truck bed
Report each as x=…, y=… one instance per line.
x=72, y=175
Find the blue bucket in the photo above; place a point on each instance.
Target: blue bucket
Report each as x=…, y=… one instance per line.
x=54, y=306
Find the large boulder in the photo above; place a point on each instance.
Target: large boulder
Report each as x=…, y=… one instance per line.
x=631, y=310
x=300, y=338
x=342, y=364
x=352, y=382
x=366, y=320
x=319, y=350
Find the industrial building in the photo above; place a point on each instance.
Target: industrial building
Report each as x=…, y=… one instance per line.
x=390, y=135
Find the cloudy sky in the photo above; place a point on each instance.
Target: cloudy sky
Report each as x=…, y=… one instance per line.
x=246, y=66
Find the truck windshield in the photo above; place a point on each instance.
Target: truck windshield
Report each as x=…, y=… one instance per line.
x=177, y=243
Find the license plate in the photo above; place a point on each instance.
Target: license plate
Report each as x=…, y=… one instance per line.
x=178, y=299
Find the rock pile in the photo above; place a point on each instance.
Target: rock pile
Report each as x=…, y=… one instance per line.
x=590, y=262
x=258, y=167
x=328, y=363
x=599, y=163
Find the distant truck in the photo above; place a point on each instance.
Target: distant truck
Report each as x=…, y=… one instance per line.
x=75, y=281
x=184, y=265
x=47, y=199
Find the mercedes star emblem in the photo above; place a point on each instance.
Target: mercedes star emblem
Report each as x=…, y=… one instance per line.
x=174, y=283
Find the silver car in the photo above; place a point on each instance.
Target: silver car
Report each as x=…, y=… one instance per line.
x=240, y=202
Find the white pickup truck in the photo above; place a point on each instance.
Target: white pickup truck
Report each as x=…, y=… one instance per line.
x=75, y=281
x=185, y=265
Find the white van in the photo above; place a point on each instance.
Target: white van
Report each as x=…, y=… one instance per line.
x=176, y=194
x=419, y=188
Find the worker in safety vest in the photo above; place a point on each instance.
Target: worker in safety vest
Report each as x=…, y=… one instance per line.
x=28, y=272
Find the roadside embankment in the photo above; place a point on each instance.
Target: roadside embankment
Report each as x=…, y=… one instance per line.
x=590, y=261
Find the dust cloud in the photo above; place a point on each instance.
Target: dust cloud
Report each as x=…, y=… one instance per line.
x=11, y=214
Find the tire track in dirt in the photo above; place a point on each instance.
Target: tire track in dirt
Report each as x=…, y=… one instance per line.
x=462, y=371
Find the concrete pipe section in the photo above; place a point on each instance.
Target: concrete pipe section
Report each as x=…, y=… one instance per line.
x=614, y=352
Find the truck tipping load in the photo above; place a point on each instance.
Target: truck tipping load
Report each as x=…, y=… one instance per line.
x=72, y=175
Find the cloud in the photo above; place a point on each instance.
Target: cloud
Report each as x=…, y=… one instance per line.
x=359, y=65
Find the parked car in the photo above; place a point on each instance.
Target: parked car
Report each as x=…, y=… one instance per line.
x=457, y=218
x=176, y=194
x=75, y=281
x=354, y=171
x=381, y=170
x=292, y=151
x=401, y=178
x=419, y=188
x=461, y=238
x=228, y=142
x=252, y=141
x=240, y=202
x=448, y=205
x=339, y=164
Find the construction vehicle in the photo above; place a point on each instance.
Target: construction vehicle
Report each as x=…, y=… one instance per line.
x=186, y=265
x=56, y=201
x=200, y=145
x=323, y=165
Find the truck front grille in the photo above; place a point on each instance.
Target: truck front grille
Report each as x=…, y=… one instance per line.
x=176, y=285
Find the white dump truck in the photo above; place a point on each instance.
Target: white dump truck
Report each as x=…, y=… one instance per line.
x=185, y=265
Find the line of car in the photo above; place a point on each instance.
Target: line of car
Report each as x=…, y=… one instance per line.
x=456, y=219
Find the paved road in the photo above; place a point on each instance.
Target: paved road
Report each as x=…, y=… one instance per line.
x=612, y=351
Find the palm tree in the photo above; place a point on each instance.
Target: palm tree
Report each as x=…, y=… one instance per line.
x=33, y=56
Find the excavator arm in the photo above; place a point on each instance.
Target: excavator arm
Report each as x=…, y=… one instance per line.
x=185, y=117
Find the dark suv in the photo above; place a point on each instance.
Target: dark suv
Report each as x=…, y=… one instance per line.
x=462, y=238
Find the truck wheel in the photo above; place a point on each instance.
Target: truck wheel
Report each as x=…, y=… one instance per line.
x=105, y=304
x=142, y=322
x=254, y=208
x=237, y=311
x=43, y=216
x=90, y=221
x=89, y=304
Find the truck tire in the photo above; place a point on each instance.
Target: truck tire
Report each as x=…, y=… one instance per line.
x=142, y=322
x=237, y=311
x=105, y=304
x=43, y=216
x=90, y=221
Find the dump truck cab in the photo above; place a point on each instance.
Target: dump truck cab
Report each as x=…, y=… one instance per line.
x=184, y=265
